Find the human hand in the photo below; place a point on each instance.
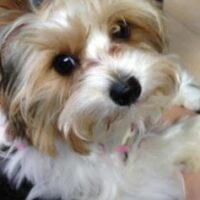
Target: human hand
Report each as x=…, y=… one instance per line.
x=192, y=180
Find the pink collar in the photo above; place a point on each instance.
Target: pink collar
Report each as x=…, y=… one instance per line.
x=20, y=144
x=122, y=149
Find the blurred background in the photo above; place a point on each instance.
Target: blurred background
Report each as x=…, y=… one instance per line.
x=183, y=18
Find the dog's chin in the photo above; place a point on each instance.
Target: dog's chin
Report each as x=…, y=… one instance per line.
x=100, y=121
x=92, y=120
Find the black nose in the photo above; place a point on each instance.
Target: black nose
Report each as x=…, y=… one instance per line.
x=125, y=92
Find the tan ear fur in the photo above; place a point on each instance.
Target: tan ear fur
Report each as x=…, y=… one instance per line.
x=14, y=4
x=78, y=145
x=171, y=81
x=11, y=10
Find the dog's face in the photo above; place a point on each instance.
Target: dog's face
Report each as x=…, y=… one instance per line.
x=70, y=68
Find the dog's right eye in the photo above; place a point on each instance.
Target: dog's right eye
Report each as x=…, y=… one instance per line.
x=65, y=64
x=121, y=31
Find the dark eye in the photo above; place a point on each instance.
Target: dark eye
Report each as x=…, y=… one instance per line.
x=121, y=31
x=65, y=64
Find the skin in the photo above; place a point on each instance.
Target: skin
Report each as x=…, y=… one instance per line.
x=192, y=180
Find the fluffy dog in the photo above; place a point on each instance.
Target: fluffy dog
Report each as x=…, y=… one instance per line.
x=79, y=78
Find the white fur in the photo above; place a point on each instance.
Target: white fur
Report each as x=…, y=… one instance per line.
x=188, y=95
x=3, y=138
x=152, y=171
x=97, y=176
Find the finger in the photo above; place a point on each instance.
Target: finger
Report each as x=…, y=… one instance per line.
x=176, y=113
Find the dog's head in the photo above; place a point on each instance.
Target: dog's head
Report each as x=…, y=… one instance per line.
x=72, y=69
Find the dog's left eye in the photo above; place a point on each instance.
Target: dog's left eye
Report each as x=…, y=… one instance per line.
x=121, y=30
x=65, y=64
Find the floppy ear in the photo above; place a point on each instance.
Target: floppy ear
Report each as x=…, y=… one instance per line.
x=10, y=10
x=13, y=4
